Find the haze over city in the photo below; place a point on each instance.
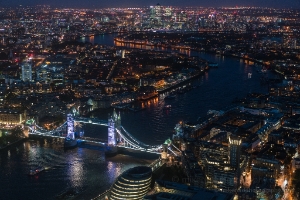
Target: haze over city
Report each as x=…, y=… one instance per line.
x=138, y=3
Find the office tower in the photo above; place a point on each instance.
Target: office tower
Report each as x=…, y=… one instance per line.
x=234, y=152
x=26, y=72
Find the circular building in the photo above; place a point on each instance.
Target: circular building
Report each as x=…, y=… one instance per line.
x=132, y=184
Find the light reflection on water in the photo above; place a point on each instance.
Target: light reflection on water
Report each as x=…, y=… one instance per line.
x=76, y=168
x=114, y=170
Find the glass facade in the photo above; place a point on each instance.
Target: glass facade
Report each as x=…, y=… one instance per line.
x=132, y=184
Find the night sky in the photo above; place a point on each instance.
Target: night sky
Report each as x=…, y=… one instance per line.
x=140, y=3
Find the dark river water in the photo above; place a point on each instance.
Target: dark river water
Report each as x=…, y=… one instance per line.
x=87, y=169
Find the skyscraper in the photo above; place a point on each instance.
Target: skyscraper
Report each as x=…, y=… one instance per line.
x=235, y=144
x=26, y=72
x=152, y=12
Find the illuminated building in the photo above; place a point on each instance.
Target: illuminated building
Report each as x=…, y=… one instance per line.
x=220, y=172
x=132, y=184
x=8, y=116
x=182, y=17
x=26, y=72
x=158, y=12
x=235, y=144
x=171, y=190
x=123, y=53
x=152, y=12
x=266, y=166
x=168, y=11
x=43, y=75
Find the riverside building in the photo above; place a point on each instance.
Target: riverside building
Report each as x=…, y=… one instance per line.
x=172, y=190
x=221, y=165
x=132, y=184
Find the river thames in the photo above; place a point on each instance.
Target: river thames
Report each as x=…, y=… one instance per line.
x=87, y=169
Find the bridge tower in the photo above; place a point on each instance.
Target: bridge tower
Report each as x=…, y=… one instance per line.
x=114, y=122
x=70, y=126
x=117, y=119
x=118, y=125
x=111, y=132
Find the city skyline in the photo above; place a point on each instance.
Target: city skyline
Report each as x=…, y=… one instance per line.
x=96, y=101
x=136, y=3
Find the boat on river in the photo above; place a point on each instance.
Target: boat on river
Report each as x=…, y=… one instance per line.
x=167, y=107
x=34, y=172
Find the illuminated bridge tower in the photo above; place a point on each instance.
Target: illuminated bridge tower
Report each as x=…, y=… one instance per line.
x=70, y=126
x=114, y=122
x=117, y=119
x=111, y=132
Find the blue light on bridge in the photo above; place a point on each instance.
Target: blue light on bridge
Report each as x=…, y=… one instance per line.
x=70, y=126
x=117, y=134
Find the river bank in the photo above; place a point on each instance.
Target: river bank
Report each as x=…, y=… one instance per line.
x=182, y=82
x=131, y=106
x=144, y=44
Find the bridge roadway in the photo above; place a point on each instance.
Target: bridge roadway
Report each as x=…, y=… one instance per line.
x=97, y=142
x=128, y=141
x=94, y=121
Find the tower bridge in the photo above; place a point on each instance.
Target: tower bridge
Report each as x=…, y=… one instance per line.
x=118, y=136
